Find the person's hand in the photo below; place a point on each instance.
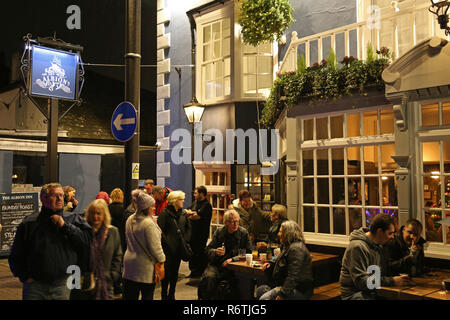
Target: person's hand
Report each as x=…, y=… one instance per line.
x=58, y=220
x=279, y=298
x=226, y=262
x=75, y=201
x=265, y=266
x=402, y=280
x=69, y=204
x=159, y=272
x=194, y=216
x=220, y=251
x=261, y=246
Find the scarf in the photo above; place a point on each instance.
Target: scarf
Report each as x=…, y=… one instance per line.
x=101, y=287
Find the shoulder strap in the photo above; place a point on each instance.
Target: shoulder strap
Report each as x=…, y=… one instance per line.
x=142, y=247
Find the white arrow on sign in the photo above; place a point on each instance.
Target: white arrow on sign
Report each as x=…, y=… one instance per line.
x=118, y=122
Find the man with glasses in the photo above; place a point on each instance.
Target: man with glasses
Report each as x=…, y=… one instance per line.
x=46, y=244
x=223, y=248
x=405, y=251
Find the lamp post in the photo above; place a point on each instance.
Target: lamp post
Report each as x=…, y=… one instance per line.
x=194, y=112
x=440, y=9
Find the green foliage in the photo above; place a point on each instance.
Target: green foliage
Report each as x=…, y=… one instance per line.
x=370, y=55
x=324, y=81
x=301, y=63
x=262, y=20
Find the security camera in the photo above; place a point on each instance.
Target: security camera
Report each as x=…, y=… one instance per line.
x=158, y=145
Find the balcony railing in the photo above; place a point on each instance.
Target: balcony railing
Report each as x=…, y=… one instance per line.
x=398, y=31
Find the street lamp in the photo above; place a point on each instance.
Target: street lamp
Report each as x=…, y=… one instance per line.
x=194, y=112
x=440, y=9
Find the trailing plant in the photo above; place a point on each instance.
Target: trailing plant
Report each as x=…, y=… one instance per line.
x=264, y=20
x=324, y=81
x=301, y=63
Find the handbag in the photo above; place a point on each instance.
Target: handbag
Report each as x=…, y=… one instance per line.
x=185, y=248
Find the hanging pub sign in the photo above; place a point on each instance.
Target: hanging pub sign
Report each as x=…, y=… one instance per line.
x=54, y=73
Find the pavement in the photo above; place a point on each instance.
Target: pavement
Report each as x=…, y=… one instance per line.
x=11, y=288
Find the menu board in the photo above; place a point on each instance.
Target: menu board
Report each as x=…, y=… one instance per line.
x=14, y=207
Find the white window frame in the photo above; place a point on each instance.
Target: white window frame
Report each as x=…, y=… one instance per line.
x=345, y=142
x=440, y=250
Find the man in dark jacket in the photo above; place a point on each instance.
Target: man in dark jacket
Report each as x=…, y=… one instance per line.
x=46, y=244
x=200, y=217
x=405, y=251
x=365, y=250
x=223, y=248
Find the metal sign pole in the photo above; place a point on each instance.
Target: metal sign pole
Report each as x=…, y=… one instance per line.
x=132, y=91
x=52, y=142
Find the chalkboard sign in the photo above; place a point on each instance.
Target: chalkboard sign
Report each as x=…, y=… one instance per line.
x=14, y=207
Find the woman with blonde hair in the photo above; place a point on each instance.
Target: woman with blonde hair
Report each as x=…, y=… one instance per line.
x=118, y=213
x=106, y=251
x=143, y=263
x=172, y=221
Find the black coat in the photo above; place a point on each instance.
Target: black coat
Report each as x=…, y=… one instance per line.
x=292, y=270
x=169, y=229
x=118, y=220
x=43, y=251
x=400, y=258
x=200, y=227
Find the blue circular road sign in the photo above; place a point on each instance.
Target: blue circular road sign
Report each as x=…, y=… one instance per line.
x=124, y=121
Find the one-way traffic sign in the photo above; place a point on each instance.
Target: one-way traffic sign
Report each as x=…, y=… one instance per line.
x=124, y=121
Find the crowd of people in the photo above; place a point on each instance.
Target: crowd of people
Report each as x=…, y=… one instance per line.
x=131, y=250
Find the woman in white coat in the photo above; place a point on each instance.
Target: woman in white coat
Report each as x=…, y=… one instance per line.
x=143, y=264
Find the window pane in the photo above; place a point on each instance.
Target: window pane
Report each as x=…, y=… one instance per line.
x=209, y=89
x=371, y=160
x=249, y=49
x=308, y=163
x=447, y=192
x=389, y=191
x=370, y=123
x=216, y=50
x=371, y=213
x=324, y=220
x=387, y=163
x=251, y=64
x=337, y=127
x=354, y=221
x=227, y=69
x=430, y=156
x=227, y=86
x=207, y=34
x=216, y=30
x=430, y=116
x=339, y=220
x=338, y=190
x=241, y=174
x=219, y=88
x=337, y=156
x=371, y=192
x=353, y=160
x=250, y=84
x=354, y=191
x=207, y=52
x=323, y=194
x=226, y=47
x=446, y=113
x=446, y=154
x=308, y=190
x=321, y=128
x=432, y=227
x=308, y=219
x=322, y=162
x=264, y=81
x=353, y=127
x=225, y=28
x=308, y=129
x=432, y=191
x=265, y=47
x=387, y=121
x=265, y=64
x=218, y=66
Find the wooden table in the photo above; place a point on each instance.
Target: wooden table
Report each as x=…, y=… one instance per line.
x=427, y=286
x=249, y=276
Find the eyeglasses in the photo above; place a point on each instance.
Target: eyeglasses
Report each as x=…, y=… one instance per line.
x=55, y=195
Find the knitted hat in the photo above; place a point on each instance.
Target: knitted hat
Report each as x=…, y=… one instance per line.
x=144, y=201
x=135, y=192
x=103, y=195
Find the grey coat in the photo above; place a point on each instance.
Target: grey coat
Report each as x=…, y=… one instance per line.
x=112, y=257
x=359, y=255
x=144, y=249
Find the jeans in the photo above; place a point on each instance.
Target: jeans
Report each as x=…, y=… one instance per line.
x=132, y=289
x=264, y=292
x=171, y=267
x=43, y=291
